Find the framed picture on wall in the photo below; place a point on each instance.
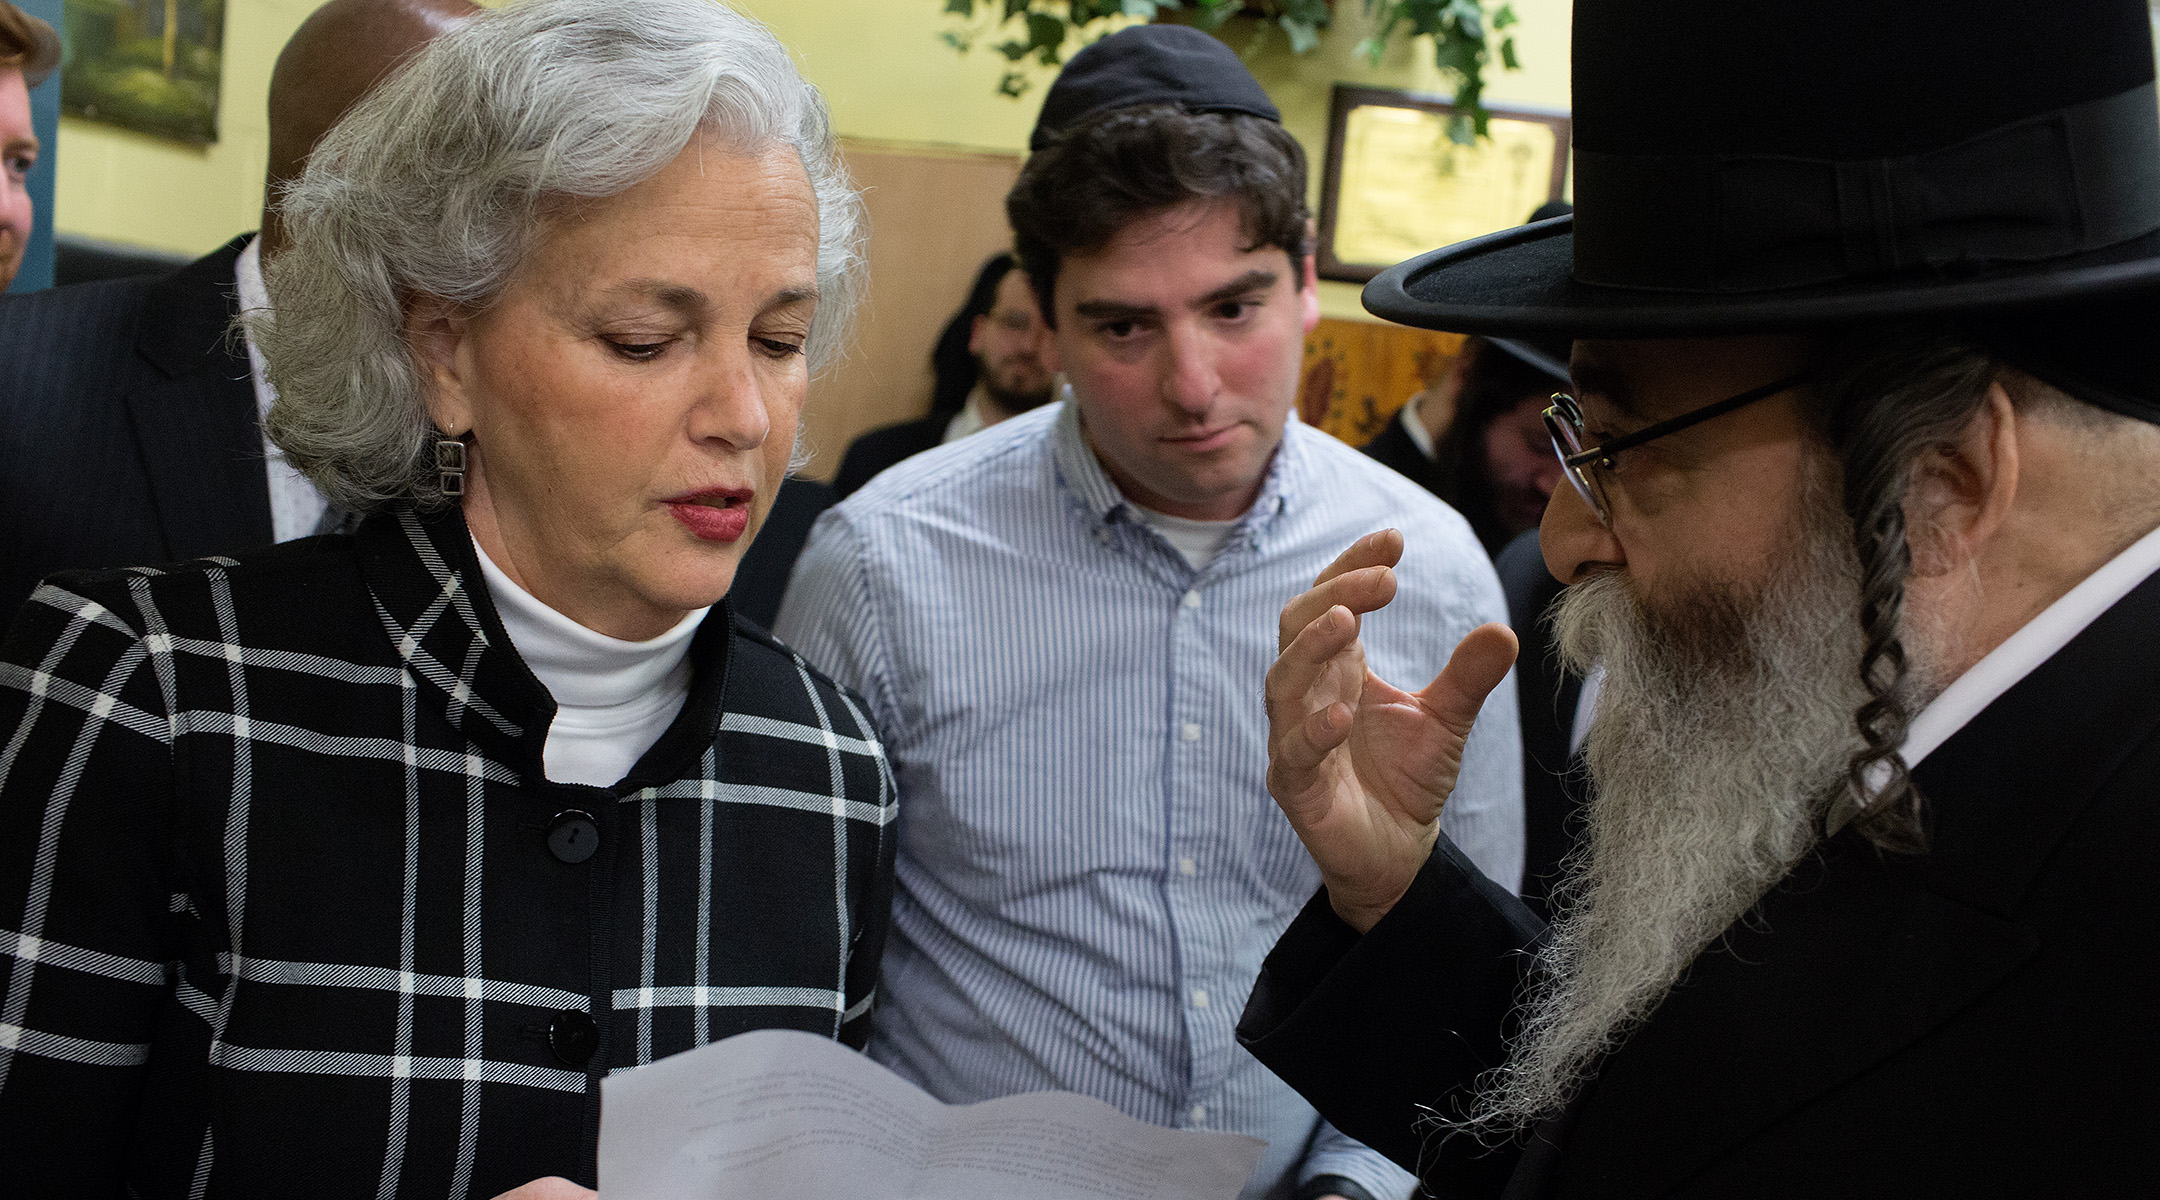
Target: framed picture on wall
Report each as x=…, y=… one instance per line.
x=1395, y=186
x=152, y=66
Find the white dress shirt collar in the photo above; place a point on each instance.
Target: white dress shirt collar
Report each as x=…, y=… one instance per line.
x=2036, y=642
x=1413, y=423
x=968, y=420
x=296, y=508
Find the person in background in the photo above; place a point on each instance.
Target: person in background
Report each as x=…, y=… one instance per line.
x=1863, y=524
x=29, y=51
x=1477, y=439
x=358, y=862
x=990, y=364
x=143, y=384
x=1061, y=625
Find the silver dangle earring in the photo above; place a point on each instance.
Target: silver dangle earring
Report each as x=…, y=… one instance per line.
x=450, y=466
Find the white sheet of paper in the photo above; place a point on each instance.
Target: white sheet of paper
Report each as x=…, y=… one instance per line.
x=780, y=1113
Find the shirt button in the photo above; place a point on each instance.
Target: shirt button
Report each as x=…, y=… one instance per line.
x=573, y=836
x=1199, y=1113
x=1186, y=866
x=573, y=1037
x=1190, y=733
x=1199, y=997
x=1192, y=599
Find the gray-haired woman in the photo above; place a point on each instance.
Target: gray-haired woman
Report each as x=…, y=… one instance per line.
x=354, y=864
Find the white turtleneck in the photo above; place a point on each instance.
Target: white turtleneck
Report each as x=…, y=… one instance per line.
x=613, y=699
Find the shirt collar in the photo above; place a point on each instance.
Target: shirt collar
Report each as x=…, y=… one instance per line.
x=254, y=297
x=580, y=667
x=1092, y=488
x=968, y=420
x=1413, y=424
x=423, y=573
x=2036, y=642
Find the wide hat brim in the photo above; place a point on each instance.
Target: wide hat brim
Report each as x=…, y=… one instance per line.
x=1520, y=282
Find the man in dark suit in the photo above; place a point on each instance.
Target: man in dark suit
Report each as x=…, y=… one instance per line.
x=1863, y=527
x=991, y=363
x=130, y=412
x=1477, y=440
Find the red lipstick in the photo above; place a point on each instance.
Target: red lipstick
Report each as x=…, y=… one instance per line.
x=713, y=514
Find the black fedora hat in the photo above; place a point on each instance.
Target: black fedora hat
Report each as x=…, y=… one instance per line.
x=1782, y=163
x=1549, y=355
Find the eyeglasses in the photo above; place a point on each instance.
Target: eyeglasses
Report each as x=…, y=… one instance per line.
x=1564, y=422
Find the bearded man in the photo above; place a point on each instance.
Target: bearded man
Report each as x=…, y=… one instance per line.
x=991, y=363
x=1864, y=455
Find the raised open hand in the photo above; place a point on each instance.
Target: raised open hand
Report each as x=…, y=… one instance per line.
x=1359, y=766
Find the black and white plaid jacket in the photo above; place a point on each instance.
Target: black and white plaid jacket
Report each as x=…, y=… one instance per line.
x=289, y=908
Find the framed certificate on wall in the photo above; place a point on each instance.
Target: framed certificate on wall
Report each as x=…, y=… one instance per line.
x=1395, y=185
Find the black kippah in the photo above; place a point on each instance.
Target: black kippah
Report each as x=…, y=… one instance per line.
x=1151, y=64
x=2106, y=353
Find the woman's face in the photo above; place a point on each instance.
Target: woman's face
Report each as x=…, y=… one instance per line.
x=632, y=396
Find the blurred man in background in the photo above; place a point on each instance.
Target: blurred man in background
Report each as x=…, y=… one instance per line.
x=1477, y=440
x=990, y=365
x=143, y=386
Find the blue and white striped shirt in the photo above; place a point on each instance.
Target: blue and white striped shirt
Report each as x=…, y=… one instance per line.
x=1090, y=866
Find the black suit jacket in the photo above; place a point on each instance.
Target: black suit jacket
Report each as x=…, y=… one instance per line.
x=1546, y=694
x=761, y=579
x=1972, y=1021
x=882, y=448
x=128, y=429
x=1393, y=448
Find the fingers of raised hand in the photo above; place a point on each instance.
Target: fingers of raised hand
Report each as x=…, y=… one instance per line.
x=1304, y=660
x=1381, y=548
x=1301, y=747
x=1361, y=591
x=1481, y=660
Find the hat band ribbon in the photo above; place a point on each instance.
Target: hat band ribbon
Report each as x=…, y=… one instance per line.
x=2076, y=179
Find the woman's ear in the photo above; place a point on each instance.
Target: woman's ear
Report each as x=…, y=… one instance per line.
x=436, y=330
x=1962, y=489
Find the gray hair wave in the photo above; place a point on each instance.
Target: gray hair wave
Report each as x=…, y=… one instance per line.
x=437, y=183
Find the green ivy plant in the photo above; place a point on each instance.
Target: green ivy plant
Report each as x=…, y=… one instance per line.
x=1462, y=32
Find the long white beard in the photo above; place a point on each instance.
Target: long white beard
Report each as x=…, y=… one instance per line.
x=1723, y=727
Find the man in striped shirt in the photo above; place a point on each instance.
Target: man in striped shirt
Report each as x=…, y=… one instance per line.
x=1062, y=626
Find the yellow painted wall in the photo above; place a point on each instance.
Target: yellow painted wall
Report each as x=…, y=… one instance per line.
x=878, y=62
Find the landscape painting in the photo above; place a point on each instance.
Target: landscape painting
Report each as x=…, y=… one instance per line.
x=147, y=65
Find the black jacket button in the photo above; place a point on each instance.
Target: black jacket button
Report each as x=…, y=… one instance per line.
x=573, y=836
x=573, y=1037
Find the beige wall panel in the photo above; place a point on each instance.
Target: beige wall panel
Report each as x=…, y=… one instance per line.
x=935, y=215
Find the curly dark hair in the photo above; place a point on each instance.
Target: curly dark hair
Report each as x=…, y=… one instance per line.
x=1120, y=165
